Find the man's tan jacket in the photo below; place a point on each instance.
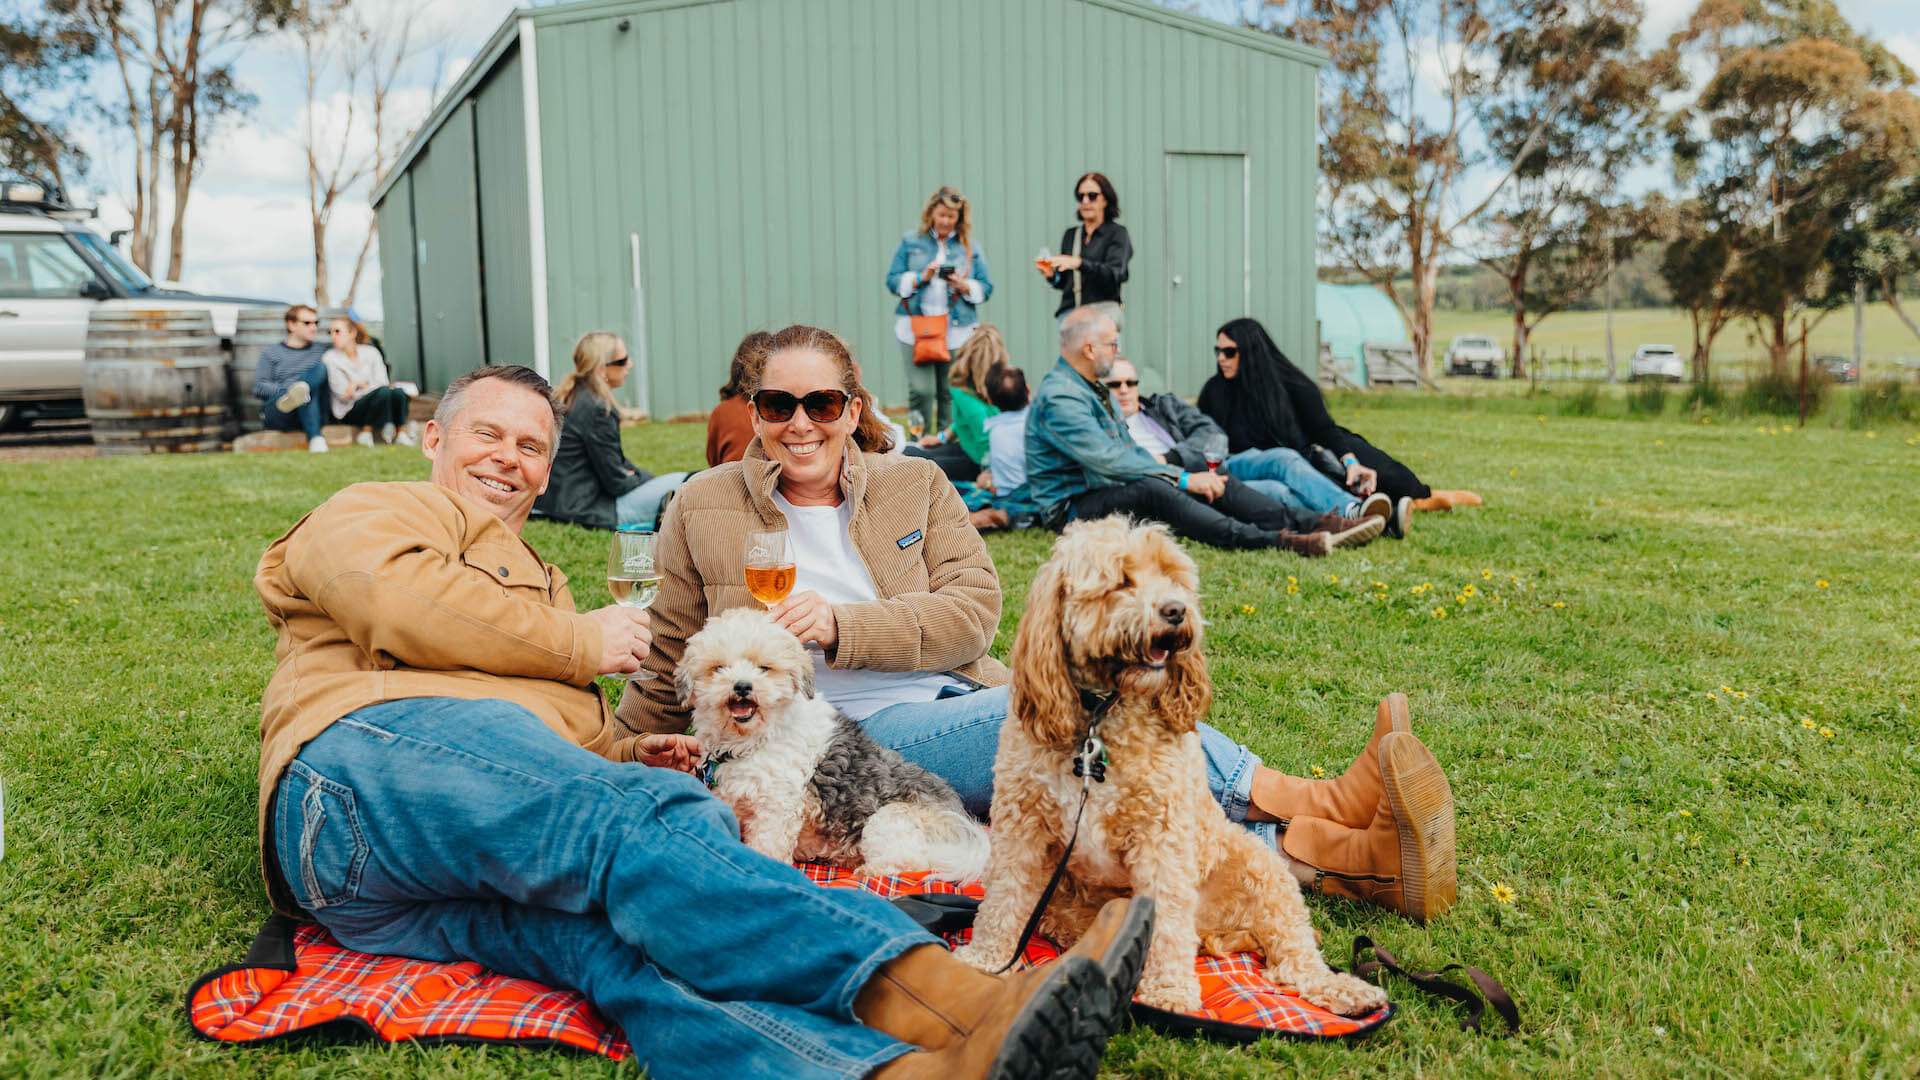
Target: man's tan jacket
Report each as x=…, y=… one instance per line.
x=939, y=597
x=400, y=590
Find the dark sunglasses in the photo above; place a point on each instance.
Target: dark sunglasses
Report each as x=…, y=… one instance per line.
x=823, y=406
x=308, y=322
x=622, y=362
x=1116, y=384
x=1226, y=352
x=1086, y=196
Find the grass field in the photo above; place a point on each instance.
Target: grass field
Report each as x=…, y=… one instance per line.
x=1678, y=715
x=1583, y=333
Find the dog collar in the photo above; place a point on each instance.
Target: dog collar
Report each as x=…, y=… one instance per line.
x=710, y=768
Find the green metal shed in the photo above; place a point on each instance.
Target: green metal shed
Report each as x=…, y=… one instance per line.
x=683, y=171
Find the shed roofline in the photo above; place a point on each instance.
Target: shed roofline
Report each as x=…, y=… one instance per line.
x=505, y=37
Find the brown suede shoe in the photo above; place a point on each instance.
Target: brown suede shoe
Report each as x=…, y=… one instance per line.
x=1404, y=858
x=1306, y=545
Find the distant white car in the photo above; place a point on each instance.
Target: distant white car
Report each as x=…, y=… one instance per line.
x=1471, y=354
x=1656, y=362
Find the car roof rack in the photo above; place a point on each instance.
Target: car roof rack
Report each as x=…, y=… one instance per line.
x=32, y=197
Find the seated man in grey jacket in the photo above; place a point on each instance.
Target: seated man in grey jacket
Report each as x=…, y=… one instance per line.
x=1177, y=433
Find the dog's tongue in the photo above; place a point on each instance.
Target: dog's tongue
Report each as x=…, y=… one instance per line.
x=740, y=710
x=1157, y=655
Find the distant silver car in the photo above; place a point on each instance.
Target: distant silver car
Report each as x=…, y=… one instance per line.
x=54, y=271
x=1839, y=369
x=1656, y=362
x=1472, y=354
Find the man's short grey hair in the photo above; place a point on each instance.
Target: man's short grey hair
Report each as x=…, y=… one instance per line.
x=451, y=399
x=1079, y=327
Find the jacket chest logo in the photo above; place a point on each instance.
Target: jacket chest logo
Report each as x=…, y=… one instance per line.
x=909, y=540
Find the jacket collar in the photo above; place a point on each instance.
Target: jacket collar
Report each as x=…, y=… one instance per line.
x=762, y=476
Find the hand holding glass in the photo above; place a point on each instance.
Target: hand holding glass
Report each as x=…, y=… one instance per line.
x=633, y=577
x=770, y=565
x=1214, y=449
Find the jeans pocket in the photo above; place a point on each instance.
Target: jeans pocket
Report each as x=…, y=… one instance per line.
x=333, y=847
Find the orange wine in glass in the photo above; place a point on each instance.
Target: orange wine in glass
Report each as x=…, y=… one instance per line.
x=770, y=565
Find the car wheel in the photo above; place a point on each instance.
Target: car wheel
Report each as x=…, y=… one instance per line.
x=9, y=415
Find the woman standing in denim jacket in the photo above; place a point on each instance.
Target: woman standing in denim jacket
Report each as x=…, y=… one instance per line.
x=937, y=271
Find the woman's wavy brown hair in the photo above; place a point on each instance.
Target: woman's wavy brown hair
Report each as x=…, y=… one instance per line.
x=748, y=356
x=963, y=229
x=983, y=351
x=872, y=435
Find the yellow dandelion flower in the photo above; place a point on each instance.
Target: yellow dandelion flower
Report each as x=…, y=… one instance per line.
x=1820, y=583
x=1725, y=689
x=1542, y=418
x=1686, y=813
x=1246, y=609
x=1333, y=579
x=1381, y=585
x=1291, y=580
x=1293, y=590
x=1706, y=419
x=1426, y=586
x=1495, y=597
x=1469, y=590
x=1501, y=892
x=1807, y=722
x=1741, y=716
x=1873, y=434
x=1558, y=604
x=1713, y=695
x=1319, y=773
x=1487, y=574
x=1659, y=442
x=1511, y=473
x=1743, y=860
x=1826, y=733
x=1513, y=579
x=1741, y=694
x=1439, y=613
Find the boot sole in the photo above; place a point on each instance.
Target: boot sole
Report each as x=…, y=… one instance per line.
x=1392, y=715
x=1422, y=803
x=1062, y=1032
x=1359, y=534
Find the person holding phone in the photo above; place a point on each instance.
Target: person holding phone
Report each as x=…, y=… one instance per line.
x=940, y=278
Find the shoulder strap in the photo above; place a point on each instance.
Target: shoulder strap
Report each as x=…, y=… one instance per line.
x=1369, y=959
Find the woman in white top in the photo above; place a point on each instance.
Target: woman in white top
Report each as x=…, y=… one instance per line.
x=357, y=383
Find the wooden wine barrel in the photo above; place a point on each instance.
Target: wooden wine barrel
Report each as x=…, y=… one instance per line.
x=254, y=329
x=154, y=381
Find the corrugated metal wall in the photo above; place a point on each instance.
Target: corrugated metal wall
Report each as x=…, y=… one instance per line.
x=765, y=156
x=400, y=333
x=768, y=154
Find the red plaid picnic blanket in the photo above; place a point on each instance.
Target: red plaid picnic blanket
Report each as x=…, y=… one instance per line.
x=297, y=978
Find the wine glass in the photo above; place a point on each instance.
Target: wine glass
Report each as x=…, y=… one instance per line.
x=770, y=565
x=916, y=424
x=1044, y=261
x=633, y=576
x=1213, y=447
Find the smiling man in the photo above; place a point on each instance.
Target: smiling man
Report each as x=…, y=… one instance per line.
x=440, y=778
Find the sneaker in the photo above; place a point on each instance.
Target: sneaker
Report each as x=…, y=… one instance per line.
x=405, y=438
x=1308, y=545
x=1377, y=505
x=297, y=395
x=1402, y=517
x=1357, y=531
x=387, y=433
x=317, y=444
x=364, y=438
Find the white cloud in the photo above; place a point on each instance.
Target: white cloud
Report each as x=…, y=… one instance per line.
x=1906, y=47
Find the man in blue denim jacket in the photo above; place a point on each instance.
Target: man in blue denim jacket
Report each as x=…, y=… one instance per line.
x=1082, y=463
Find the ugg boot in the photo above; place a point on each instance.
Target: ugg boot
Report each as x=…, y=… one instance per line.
x=1404, y=858
x=1447, y=500
x=1350, y=799
x=1052, y=1020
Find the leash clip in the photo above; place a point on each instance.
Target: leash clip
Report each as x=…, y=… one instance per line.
x=1092, y=760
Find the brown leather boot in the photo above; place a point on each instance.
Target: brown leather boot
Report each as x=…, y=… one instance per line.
x=964, y=1017
x=1306, y=545
x=1350, y=799
x=1404, y=858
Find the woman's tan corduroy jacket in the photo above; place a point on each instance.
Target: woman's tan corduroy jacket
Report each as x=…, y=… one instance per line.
x=939, y=595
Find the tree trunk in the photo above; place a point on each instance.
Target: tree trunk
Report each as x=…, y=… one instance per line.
x=320, y=289
x=1421, y=328
x=1777, y=348
x=1517, y=292
x=360, y=261
x=1890, y=288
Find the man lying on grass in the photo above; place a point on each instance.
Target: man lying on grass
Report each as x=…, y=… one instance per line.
x=441, y=779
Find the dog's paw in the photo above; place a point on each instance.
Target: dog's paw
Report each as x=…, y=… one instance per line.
x=974, y=956
x=1172, y=994
x=1344, y=994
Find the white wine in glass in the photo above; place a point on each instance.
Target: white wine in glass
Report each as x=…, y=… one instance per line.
x=916, y=423
x=770, y=565
x=633, y=577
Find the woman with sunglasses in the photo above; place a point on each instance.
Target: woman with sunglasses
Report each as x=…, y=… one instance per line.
x=1276, y=419
x=937, y=273
x=898, y=592
x=358, y=386
x=592, y=482
x=1095, y=252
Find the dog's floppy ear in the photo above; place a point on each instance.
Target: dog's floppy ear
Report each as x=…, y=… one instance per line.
x=683, y=681
x=1187, y=692
x=806, y=676
x=1044, y=701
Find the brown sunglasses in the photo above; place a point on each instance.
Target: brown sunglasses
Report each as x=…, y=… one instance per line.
x=777, y=406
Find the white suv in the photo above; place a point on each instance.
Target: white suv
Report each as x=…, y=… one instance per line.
x=1474, y=355
x=54, y=271
x=1656, y=362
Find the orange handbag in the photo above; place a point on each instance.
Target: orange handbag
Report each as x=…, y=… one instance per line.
x=929, y=339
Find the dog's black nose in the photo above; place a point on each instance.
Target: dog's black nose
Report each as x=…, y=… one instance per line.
x=1174, y=612
x=742, y=687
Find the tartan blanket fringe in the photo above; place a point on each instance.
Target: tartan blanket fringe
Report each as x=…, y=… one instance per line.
x=297, y=979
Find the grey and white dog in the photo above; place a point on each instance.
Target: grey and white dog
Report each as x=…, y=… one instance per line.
x=806, y=782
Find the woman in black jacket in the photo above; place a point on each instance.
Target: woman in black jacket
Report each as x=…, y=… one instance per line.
x=592, y=482
x=1094, y=253
x=1274, y=417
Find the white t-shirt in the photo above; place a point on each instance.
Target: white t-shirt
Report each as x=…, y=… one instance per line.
x=1007, y=449
x=827, y=563
x=1148, y=433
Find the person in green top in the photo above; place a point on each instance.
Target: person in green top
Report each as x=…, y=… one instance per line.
x=961, y=449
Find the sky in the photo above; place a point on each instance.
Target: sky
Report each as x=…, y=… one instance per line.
x=247, y=221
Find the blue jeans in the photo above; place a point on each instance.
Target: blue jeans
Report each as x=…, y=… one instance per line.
x=956, y=737
x=307, y=417
x=447, y=830
x=641, y=506
x=1306, y=486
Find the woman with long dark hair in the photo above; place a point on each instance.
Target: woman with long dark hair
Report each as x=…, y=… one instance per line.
x=1274, y=417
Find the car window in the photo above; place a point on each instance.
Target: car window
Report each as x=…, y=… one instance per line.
x=128, y=275
x=41, y=266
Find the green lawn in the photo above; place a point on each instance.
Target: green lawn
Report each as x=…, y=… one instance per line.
x=1704, y=883
x=1583, y=333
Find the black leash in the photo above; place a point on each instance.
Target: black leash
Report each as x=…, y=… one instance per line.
x=1431, y=981
x=1090, y=765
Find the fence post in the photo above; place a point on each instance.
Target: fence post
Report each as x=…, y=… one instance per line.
x=1803, y=371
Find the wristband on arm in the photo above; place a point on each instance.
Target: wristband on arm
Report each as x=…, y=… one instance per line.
x=1349, y=460
x=1184, y=477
